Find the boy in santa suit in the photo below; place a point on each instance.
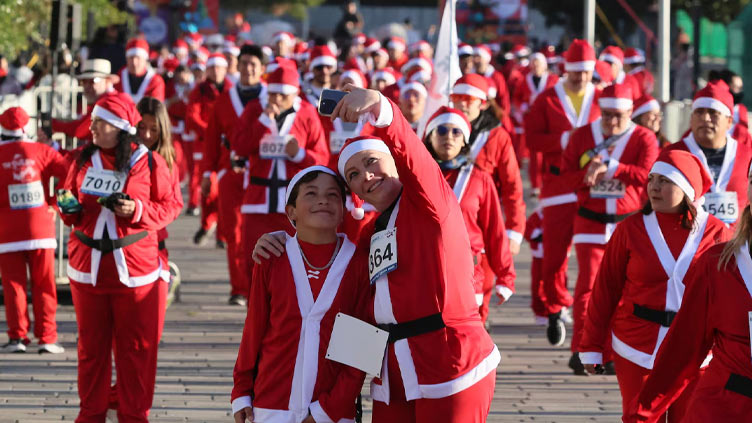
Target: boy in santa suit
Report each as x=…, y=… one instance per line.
x=555, y=113
x=220, y=161
x=446, y=132
x=279, y=138
x=724, y=158
x=614, y=56
x=714, y=318
x=27, y=238
x=634, y=64
x=277, y=377
x=608, y=162
x=201, y=102
x=535, y=82
x=137, y=78
x=634, y=303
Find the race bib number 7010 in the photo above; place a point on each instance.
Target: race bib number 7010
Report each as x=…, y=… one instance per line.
x=102, y=182
x=382, y=257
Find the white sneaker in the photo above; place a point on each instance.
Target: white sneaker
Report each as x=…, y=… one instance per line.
x=565, y=316
x=14, y=346
x=51, y=349
x=111, y=416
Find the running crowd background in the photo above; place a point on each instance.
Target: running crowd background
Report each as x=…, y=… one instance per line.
x=660, y=227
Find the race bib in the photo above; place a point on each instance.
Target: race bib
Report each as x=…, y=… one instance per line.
x=26, y=196
x=337, y=140
x=273, y=147
x=382, y=257
x=723, y=205
x=102, y=182
x=608, y=188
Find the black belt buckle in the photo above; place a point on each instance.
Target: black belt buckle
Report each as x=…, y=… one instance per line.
x=740, y=384
x=106, y=245
x=661, y=317
x=398, y=331
x=554, y=170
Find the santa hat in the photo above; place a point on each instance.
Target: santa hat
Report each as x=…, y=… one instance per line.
x=549, y=52
x=616, y=96
x=12, y=122
x=359, y=39
x=267, y=51
x=118, y=110
x=199, y=63
x=322, y=56
x=137, y=47
x=216, y=59
x=170, y=65
x=356, y=63
x=539, y=56
x=645, y=104
x=279, y=62
x=464, y=49
x=231, y=38
x=298, y=176
x=716, y=96
x=371, y=45
x=421, y=61
x=387, y=74
x=356, y=76
x=203, y=53
x=419, y=75
x=520, y=50
x=448, y=115
x=685, y=170
x=180, y=47
x=419, y=47
x=472, y=84
x=579, y=57
x=382, y=52
x=355, y=145
x=283, y=36
x=483, y=51
x=396, y=43
x=231, y=48
x=603, y=72
x=300, y=51
x=413, y=86
x=633, y=55
x=612, y=54
x=215, y=40
x=284, y=80
x=194, y=38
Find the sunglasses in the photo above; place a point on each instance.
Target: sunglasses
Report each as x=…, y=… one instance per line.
x=443, y=130
x=459, y=98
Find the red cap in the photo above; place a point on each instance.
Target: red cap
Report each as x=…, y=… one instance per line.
x=13, y=120
x=388, y=74
x=603, y=72
x=483, y=51
x=118, y=110
x=171, y=64
x=645, y=104
x=137, y=47
x=716, y=96
x=356, y=76
x=633, y=55
x=284, y=80
x=322, y=56
x=579, y=57
x=371, y=45
x=472, y=84
x=464, y=49
x=396, y=43
x=216, y=59
x=616, y=96
x=283, y=36
x=685, y=170
x=612, y=54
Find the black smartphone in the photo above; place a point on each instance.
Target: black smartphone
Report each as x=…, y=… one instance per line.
x=328, y=101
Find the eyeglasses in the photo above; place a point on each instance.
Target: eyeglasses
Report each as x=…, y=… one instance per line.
x=607, y=116
x=459, y=98
x=443, y=130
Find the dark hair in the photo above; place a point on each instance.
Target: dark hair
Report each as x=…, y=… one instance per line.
x=688, y=213
x=429, y=146
x=123, y=152
x=253, y=50
x=154, y=107
x=310, y=177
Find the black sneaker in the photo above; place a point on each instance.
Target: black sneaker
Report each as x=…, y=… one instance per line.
x=200, y=237
x=609, y=369
x=15, y=346
x=576, y=365
x=220, y=244
x=237, y=300
x=556, y=331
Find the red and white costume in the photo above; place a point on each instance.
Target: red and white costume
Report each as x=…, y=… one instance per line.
x=645, y=79
x=152, y=84
x=446, y=374
x=628, y=156
x=740, y=129
x=614, y=54
x=631, y=299
x=27, y=239
x=498, y=88
x=547, y=129
x=116, y=298
x=534, y=236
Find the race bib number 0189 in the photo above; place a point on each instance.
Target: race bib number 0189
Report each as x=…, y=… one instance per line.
x=723, y=205
x=608, y=188
x=26, y=196
x=273, y=147
x=102, y=182
x=382, y=257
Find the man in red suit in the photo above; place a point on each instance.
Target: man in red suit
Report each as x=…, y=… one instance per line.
x=137, y=78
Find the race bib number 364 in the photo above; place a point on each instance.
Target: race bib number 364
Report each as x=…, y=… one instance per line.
x=273, y=147
x=102, y=182
x=26, y=196
x=382, y=257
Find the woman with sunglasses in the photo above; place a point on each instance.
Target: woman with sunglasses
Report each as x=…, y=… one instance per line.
x=446, y=134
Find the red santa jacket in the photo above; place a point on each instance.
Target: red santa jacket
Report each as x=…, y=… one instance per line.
x=282, y=361
x=732, y=178
x=534, y=233
x=493, y=152
x=625, y=78
x=500, y=93
x=223, y=117
x=476, y=193
x=429, y=229
x=177, y=200
x=78, y=128
x=200, y=106
x=152, y=86
x=644, y=264
x=526, y=92
x=629, y=159
x=254, y=128
x=176, y=108
x=547, y=130
x=741, y=115
x=644, y=78
x=153, y=191
x=25, y=171
x=714, y=315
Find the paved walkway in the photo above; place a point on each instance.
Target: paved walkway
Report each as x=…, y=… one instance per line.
x=200, y=342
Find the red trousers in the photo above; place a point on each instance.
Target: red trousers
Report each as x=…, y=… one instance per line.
x=194, y=178
x=130, y=321
x=534, y=169
x=558, y=224
x=589, y=257
x=210, y=205
x=230, y=224
x=631, y=378
x=520, y=146
x=180, y=158
x=13, y=267
x=537, y=296
x=489, y=282
x=469, y=406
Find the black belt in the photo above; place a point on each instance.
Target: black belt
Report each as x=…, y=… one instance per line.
x=161, y=245
x=739, y=384
x=107, y=245
x=602, y=217
x=274, y=185
x=554, y=170
x=663, y=318
x=412, y=328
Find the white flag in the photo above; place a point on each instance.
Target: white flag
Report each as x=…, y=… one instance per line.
x=446, y=66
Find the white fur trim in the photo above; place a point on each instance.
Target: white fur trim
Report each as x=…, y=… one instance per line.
x=466, y=50
x=396, y=44
x=589, y=239
x=354, y=76
x=217, y=61
x=613, y=164
x=136, y=51
x=504, y=291
x=445, y=389
x=557, y=200
x=31, y=244
x=676, y=176
x=650, y=105
x=358, y=146
x=564, y=140
x=240, y=403
x=615, y=103
x=12, y=132
x=282, y=88
x=325, y=61
x=711, y=103
x=471, y=90
x=514, y=236
x=482, y=53
x=452, y=118
x=414, y=86
x=610, y=58
x=588, y=65
x=591, y=358
x=112, y=119
x=303, y=173
x=386, y=76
